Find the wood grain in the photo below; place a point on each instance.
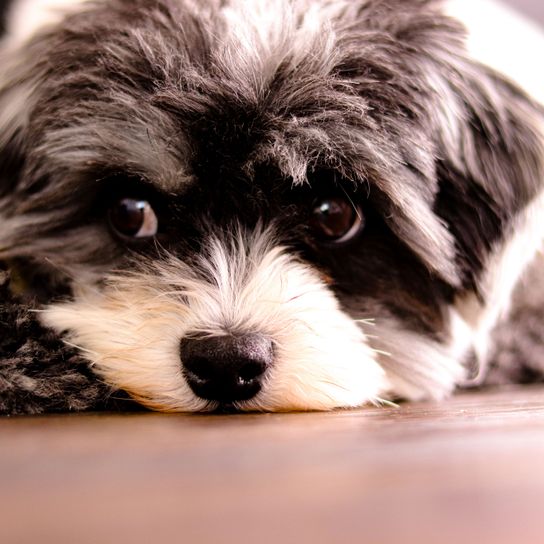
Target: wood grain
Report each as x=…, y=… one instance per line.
x=470, y=469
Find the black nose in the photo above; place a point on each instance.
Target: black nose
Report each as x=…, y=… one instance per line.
x=226, y=368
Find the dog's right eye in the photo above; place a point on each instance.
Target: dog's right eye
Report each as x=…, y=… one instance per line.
x=336, y=220
x=133, y=218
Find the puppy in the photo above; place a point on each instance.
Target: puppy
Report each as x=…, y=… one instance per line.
x=276, y=204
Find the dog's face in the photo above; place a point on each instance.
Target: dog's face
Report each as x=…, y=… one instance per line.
x=256, y=204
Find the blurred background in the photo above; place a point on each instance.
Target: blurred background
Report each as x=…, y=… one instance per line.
x=533, y=8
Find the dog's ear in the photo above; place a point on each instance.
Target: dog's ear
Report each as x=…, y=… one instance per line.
x=13, y=122
x=12, y=158
x=10, y=152
x=17, y=97
x=484, y=136
x=490, y=162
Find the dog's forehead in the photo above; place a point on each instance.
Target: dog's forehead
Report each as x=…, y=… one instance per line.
x=191, y=91
x=173, y=89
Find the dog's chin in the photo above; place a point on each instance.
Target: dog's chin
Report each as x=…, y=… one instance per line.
x=131, y=330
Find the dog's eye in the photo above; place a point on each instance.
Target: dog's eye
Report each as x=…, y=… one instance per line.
x=133, y=218
x=336, y=219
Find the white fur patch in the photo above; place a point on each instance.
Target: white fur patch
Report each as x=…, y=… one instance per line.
x=504, y=40
x=505, y=268
x=418, y=367
x=261, y=35
x=131, y=331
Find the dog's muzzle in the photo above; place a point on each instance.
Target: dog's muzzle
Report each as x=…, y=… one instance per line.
x=226, y=368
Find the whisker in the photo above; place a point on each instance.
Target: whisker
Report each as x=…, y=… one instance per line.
x=380, y=352
x=355, y=208
x=378, y=402
x=366, y=321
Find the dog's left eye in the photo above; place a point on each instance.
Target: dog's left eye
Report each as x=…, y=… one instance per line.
x=133, y=218
x=336, y=219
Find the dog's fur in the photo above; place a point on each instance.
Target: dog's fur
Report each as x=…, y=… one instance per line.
x=233, y=118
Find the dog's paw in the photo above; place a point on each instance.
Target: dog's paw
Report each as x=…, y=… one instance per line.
x=38, y=371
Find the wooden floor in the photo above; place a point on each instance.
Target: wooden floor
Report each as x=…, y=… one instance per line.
x=470, y=469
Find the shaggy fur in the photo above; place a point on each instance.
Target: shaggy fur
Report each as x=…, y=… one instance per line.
x=233, y=124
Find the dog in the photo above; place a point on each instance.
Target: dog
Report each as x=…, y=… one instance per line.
x=275, y=205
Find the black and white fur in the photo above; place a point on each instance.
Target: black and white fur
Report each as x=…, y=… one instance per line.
x=232, y=118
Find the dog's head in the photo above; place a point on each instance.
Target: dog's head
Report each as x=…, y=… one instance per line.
x=270, y=205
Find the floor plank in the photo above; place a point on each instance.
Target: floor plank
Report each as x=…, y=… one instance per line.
x=470, y=469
